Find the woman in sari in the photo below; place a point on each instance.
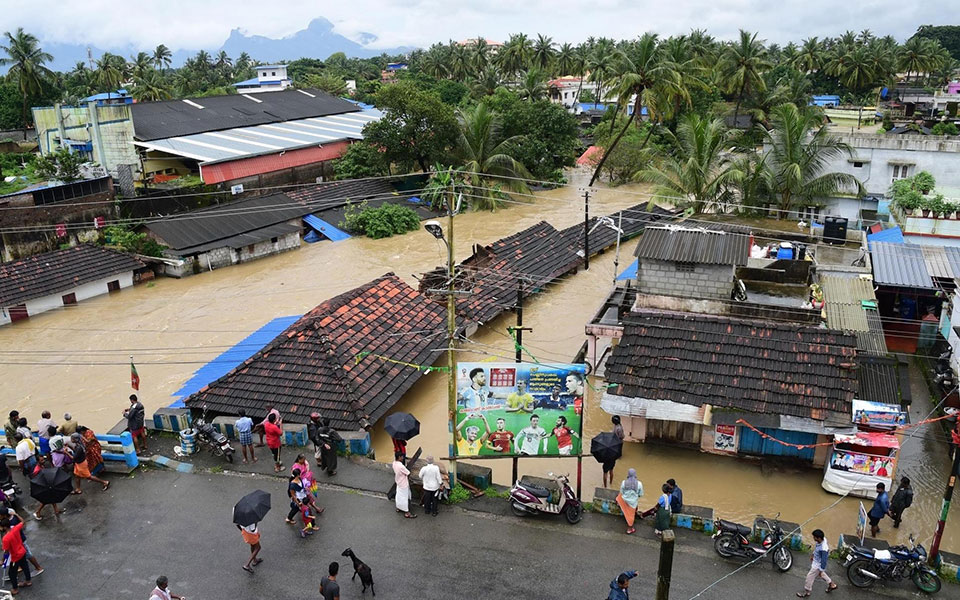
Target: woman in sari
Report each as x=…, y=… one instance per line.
x=663, y=511
x=80, y=468
x=93, y=448
x=630, y=491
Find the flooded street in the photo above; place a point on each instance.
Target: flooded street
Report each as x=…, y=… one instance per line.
x=77, y=360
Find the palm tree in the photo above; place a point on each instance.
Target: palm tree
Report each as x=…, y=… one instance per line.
x=459, y=61
x=162, y=57
x=857, y=72
x=600, y=65
x=697, y=168
x=331, y=84
x=486, y=83
x=534, y=85
x=26, y=61
x=484, y=159
x=742, y=66
x=580, y=56
x=914, y=56
x=111, y=71
x=543, y=52
x=640, y=78
x=480, y=54
x=809, y=58
x=140, y=64
x=565, y=60
x=800, y=149
x=202, y=61
x=433, y=62
x=149, y=87
x=514, y=56
x=222, y=61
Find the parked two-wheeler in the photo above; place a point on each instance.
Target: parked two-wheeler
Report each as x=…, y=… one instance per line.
x=526, y=499
x=9, y=491
x=213, y=439
x=866, y=566
x=943, y=372
x=732, y=540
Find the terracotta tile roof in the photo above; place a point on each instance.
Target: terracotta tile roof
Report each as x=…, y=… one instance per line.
x=313, y=366
x=734, y=363
x=52, y=272
x=635, y=220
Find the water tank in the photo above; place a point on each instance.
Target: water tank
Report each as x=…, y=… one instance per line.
x=835, y=230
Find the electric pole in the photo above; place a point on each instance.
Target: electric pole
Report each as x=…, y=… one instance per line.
x=451, y=340
x=518, y=330
x=947, y=496
x=586, y=230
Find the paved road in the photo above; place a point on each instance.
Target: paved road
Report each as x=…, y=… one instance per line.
x=113, y=545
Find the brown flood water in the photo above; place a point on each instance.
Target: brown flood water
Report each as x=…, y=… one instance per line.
x=173, y=327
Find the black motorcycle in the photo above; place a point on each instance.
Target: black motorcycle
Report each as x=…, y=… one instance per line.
x=213, y=439
x=866, y=566
x=733, y=540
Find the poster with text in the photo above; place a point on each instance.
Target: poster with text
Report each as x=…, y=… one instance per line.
x=509, y=409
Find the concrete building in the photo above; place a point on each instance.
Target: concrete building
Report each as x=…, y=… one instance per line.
x=103, y=133
x=270, y=78
x=56, y=279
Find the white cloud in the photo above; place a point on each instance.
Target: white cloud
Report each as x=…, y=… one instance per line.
x=194, y=24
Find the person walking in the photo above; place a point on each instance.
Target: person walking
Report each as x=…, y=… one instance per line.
x=902, y=500
x=818, y=565
x=244, y=427
x=14, y=519
x=880, y=508
x=676, y=497
x=328, y=450
x=251, y=535
x=94, y=450
x=329, y=588
x=56, y=509
x=161, y=592
x=273, y=433
x=620, y=587
x=663, y=511
x=294, y=492
x=432, y=482
x=80, y=468
x=630, y=491
x=134, y=416
x=13, y=545
x=609, y=465
x=402, y=478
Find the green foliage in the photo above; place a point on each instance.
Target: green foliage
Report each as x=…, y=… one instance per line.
x=887, y=121
x=129, y=241
x=945, y=129
x=911, y=193
x=947, y=35
x=458, y=494
x=301, y=68
x=61, y=165
x=360, y=160
x=449, y=91
x=924, y=181
x=384, y=221
x=629, y=155
x=587, y=95
x=331, y=84
x=492, y=492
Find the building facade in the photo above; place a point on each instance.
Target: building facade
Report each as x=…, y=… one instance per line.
x=270, y=78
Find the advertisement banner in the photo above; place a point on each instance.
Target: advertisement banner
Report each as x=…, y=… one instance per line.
x=725, y=438
x=862, y=523
x=510, y=409
x=877, y=415
x=864, y=464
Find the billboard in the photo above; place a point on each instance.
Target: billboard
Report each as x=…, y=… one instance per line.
x=511, y=409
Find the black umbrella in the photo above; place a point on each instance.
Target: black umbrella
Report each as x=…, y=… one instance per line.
x=252, y=508
x=51, y=486
x=402, y=426
x=606, y=447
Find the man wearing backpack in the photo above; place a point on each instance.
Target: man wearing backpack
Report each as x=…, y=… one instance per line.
x=902, y=500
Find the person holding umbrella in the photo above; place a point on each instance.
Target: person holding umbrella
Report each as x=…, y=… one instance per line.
x=401, y=427
x=50, y=486
x=247, y=514
x=607, y=447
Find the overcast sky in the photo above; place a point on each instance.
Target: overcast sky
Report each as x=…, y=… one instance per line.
x=194, y=24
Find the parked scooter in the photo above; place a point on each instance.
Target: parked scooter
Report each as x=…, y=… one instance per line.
x=213, y=439
x=526, y=499
x=943, y=372
x=866, y=566
x=733, y=540
x=9, y=491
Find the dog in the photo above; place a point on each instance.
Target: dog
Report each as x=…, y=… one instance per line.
x=362, y=569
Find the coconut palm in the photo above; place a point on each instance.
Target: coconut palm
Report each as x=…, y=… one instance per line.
x=149, y=87
x=486, y=83
x=914, y=56
x=433, y=62
x=459, y=61
x=799, y=151
x=111, y=71
x=480, y=54
x=222, y=62
x=162, y=57
x=565, y=60
x=742, y=66
x=484, y=160
x=331, y=84
x=27, y=64
x=202, y=61
x=534, y=85
x=696, y=168
x=514, y=56
x=140, y=64
x=809, y=57
x=857, y=72
x=600, y=64
x=543, y=52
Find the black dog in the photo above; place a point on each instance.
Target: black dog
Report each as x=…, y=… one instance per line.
x=362, y=569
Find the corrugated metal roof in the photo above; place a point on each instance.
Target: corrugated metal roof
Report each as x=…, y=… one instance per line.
x=901, y=265
x=894, y=235
x=953, y=257
x=937, y=264
x=170, y=118
x=243, y=142
x=878, y=379
x=678, y=244
x=241, y=239
x=843, y=306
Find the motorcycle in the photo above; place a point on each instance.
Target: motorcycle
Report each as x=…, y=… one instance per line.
x=9, y=491
x=733, y=540
x=213, y=439
x=866, y=566
x=526, y=499
x=943, y=372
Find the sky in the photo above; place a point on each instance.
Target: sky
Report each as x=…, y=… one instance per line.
x=195, y=24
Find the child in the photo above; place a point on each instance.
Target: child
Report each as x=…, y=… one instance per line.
x=308, y=519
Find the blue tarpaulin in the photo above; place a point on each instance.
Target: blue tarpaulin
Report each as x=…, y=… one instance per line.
x=224, y=363
x=325, y=229
x=894, y=235
x=630, y=272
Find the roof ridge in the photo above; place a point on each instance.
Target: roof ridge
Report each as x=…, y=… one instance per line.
x=690, y=316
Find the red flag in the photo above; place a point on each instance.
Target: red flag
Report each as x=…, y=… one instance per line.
x=134, y=377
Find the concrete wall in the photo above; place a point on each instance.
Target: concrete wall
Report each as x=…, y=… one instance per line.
x=705, y=281
x=83, y=292
x=226, y=256
x=116, y=132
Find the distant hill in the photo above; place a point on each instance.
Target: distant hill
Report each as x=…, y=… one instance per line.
x=318, y=40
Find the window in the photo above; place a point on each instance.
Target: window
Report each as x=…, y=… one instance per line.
x=274, y=240
x=250, y=248
x=18, y=313
x=113, y=286
x=69, y=299
x=857, y=165
x=810, y=214
x=900, y=172
x=273, y=73
x=684, y=267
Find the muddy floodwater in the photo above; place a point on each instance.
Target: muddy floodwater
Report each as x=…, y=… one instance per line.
x=77, y=360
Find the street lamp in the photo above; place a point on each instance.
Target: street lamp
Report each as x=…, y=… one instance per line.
x=608, y=223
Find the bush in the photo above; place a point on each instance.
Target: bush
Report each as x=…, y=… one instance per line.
x=458, y=494
x=384, y=221
x=360, y=160
x=945, y=129
x=129, y=241
x=924, y=182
